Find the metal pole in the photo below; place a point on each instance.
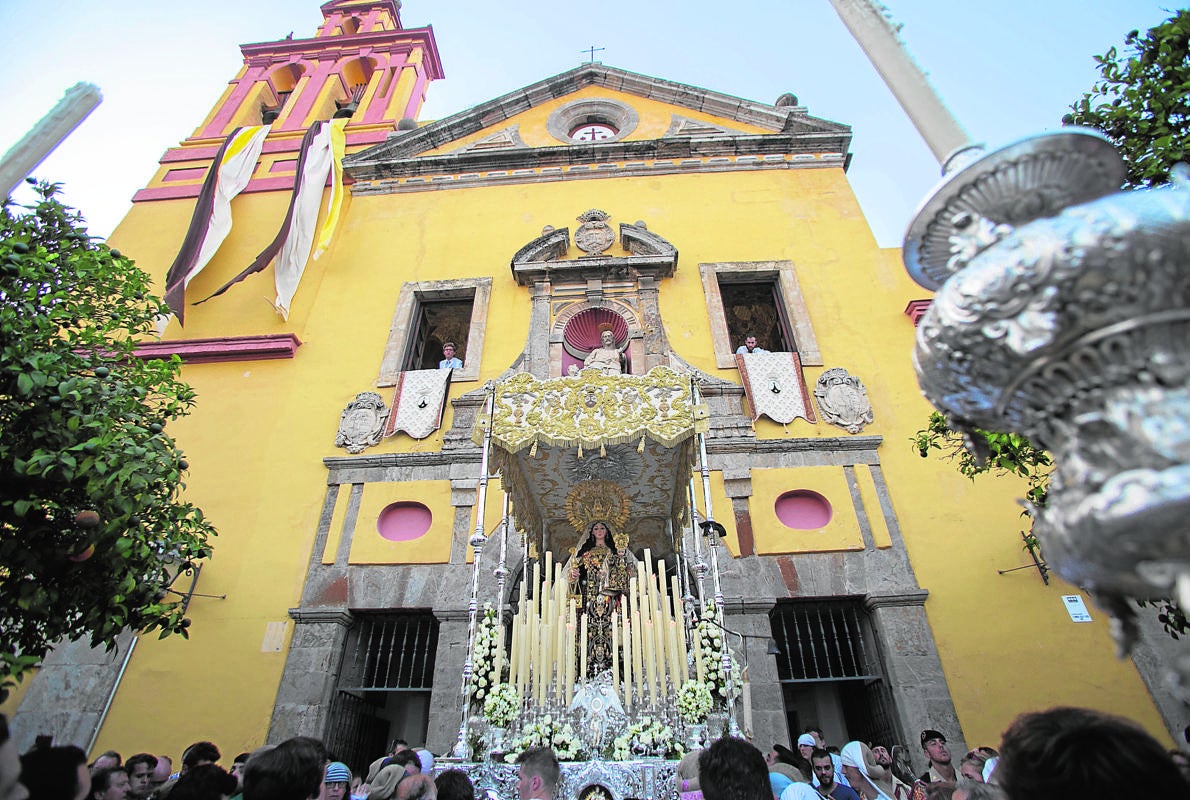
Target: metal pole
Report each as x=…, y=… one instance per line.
x=700, y=563
x=874, y=33
x=111, y=695
x=49, y=132
x=705, y=468
x=501, y=571
x=477, y=542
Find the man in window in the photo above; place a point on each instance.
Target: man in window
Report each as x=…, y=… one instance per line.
x=449, y=359
x=749, y=346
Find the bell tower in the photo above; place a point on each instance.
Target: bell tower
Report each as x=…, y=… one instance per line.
x=360, y=64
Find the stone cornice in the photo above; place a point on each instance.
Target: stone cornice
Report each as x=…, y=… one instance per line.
x=806, y=444
x=335, y=616
x=224, y=348
x=791, y=120
x=719, y=151
x=390, y=460
x=904, y=599
x=529, y=273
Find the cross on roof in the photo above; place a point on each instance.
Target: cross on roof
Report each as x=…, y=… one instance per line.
x=591, y=51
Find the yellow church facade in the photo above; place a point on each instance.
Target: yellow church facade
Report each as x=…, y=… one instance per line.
x=684, y=221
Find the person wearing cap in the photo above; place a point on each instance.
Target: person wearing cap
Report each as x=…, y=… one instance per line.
x=819, y=741
x=338, y=781
x=933, y=744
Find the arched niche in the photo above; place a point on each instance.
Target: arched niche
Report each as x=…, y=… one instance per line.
x=354, y=76
x=620, y=273
x=575, y=333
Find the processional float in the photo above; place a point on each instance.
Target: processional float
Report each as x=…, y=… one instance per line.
x=613, y=449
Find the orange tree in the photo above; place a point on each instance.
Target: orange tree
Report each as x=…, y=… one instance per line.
x=1142, y=100
x=92, y=526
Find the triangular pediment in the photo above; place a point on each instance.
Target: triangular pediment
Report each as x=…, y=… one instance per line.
x=504, y=139
x=684, y=126
x=697, y=120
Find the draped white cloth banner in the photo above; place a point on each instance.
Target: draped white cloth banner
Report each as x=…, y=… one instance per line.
x=239, y=162
x=418, y=402
x=775, y=386
x=295, y=250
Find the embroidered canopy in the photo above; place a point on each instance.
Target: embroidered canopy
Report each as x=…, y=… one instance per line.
x=552, y=436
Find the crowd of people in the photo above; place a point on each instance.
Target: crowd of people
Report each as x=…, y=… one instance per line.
x=296, y=769
x=1049, y=755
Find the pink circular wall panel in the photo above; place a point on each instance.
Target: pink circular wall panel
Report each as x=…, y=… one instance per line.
x=803, y=510
x=404, y=521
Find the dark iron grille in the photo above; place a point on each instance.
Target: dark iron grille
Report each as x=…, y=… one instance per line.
x=355, y=731
x=823, y=641
x=391, y=652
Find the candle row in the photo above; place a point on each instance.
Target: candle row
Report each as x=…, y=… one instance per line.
x=648, y=633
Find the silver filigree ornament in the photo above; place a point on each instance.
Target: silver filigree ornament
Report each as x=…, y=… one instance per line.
x=361, y=424
x=1073, y=328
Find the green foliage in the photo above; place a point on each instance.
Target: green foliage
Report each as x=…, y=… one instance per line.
x=1142, y=100
x=997, y=453
x=90, y=515
x=1013, y=454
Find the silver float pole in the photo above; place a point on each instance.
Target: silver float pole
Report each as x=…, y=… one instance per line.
x=477, y=542
x=704, y=466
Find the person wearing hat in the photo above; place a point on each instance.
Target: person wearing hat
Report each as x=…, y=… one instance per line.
x=338, y=781
x=933, y=744
x=813, y=737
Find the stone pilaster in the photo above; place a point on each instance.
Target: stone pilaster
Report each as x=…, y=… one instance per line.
x=914, y=670
x=446, y=702
x=310, y=675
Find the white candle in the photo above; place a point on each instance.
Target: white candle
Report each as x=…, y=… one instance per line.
x=627, y=656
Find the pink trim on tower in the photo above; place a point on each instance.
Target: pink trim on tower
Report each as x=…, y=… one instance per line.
x=397, y=62
x=227, y=112
x=224, y=348
x=193, y=174
x=418, y=95
x=916, y=309
x=316, y=81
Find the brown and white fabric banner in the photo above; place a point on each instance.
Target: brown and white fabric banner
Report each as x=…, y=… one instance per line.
x=775, y=387
x=418, y=402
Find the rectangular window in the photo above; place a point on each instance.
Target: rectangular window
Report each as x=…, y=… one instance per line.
x=760, y=298
x=385, y=683
x=831, y=670
x=754, y=308
x=438, y=322
x=431, y=313
x=389, y=652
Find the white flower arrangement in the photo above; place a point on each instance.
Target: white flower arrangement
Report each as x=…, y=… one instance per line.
x=710, y=640
x=485, y=672
x=646, y=738
x=546, y=732
x=502, y=705
x=694, y=702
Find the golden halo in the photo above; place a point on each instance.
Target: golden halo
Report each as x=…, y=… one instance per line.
x=596, y=500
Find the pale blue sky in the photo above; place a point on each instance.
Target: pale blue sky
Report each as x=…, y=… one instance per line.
x=1007, y=69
